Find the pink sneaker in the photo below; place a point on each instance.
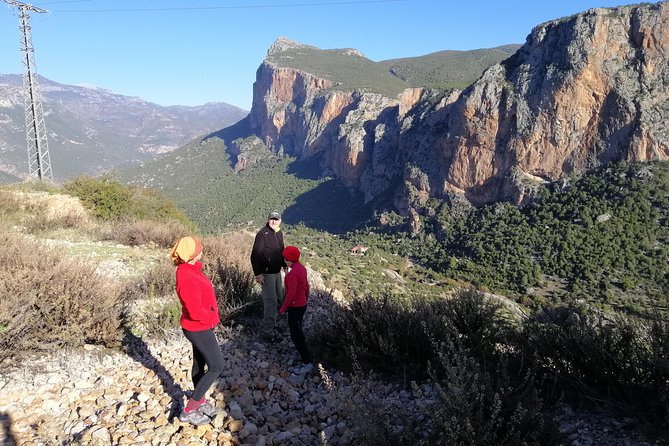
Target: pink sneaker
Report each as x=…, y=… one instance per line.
x=209, y=409
x=194, y=417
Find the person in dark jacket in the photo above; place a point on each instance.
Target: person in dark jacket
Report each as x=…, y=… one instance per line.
x=297, y=297
x=199, y=316
x=267, y=262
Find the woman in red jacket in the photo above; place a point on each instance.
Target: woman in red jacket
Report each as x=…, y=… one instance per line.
x=296, y=296
x=199, y=315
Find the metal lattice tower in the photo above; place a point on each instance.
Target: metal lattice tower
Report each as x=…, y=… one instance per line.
x=39, y=162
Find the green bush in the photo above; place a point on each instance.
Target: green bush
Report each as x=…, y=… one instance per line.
x=107, y=199
x=617, y=361
x=110, y=200
x=486, y=388
x=494, y=402
x=375, y=330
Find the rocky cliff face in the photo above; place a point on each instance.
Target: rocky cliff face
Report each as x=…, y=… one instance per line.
x=583, y=90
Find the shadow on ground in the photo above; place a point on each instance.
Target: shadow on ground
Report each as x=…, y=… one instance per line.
x=138, y=350
x=8, y=438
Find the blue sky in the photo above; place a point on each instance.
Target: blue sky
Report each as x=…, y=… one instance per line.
x=189, y=52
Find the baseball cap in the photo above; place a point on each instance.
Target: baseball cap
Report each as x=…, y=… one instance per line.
x=274, y=214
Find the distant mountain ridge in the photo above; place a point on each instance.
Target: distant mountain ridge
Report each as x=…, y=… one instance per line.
x=92, y=130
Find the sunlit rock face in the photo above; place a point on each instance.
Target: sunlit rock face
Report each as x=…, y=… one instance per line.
x=583, y=91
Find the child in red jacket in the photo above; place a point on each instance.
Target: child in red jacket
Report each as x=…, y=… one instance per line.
x=296, y=288
x=199, y=316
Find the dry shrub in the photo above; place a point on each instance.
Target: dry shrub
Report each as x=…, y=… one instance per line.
x=234, y=289
x=226, y=263
x=41, y=211
x=152, y=305
x=51, y=302
x=234, y=248
x=154, y=316
x=159, y=281
x=144, y=232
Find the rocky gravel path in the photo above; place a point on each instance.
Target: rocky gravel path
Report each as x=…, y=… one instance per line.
x=96, y=396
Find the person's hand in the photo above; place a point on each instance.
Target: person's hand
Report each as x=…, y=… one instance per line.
x=260, y=279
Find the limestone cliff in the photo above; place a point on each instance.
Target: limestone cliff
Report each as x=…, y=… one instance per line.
x=583, y=90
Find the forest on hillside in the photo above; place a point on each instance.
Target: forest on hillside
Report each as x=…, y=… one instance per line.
x=601, y=237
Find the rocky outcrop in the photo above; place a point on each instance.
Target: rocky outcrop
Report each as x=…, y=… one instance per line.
x=583, y=90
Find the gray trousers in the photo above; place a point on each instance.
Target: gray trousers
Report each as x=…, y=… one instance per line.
x=272, y=299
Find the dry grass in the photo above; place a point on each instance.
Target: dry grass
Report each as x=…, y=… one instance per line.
x=234, y=247
x=145, y=232
x=39, y=212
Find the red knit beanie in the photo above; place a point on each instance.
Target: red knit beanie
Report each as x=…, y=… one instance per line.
x=291, y=253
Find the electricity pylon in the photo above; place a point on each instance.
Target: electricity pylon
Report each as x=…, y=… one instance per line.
x=39, y=163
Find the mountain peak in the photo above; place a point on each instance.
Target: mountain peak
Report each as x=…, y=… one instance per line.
x=284, y=44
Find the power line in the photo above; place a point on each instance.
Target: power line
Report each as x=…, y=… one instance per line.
x=39, y=162
x=200, y=8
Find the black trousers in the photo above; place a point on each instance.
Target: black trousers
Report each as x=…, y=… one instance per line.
x=206, y=351
x=295, y=317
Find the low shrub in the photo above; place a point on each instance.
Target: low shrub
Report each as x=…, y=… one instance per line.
x=234, y=247
x=144, y=232
x=159, y=281
x=52, y=302
x=616, y=361
x=226, y=263
x=483, y=389
x=110, y=200
x=234, y=289
x=487, y=402
x=375, y=332
x=153, y=316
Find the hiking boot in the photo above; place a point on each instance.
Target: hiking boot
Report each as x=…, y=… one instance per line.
x=194, y=417
x=209, y=409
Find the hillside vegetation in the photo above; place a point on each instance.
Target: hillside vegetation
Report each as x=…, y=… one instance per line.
x=486, y=375
x=200, y=180
x=601, y=238
x=351, y=70
x=449, y=69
